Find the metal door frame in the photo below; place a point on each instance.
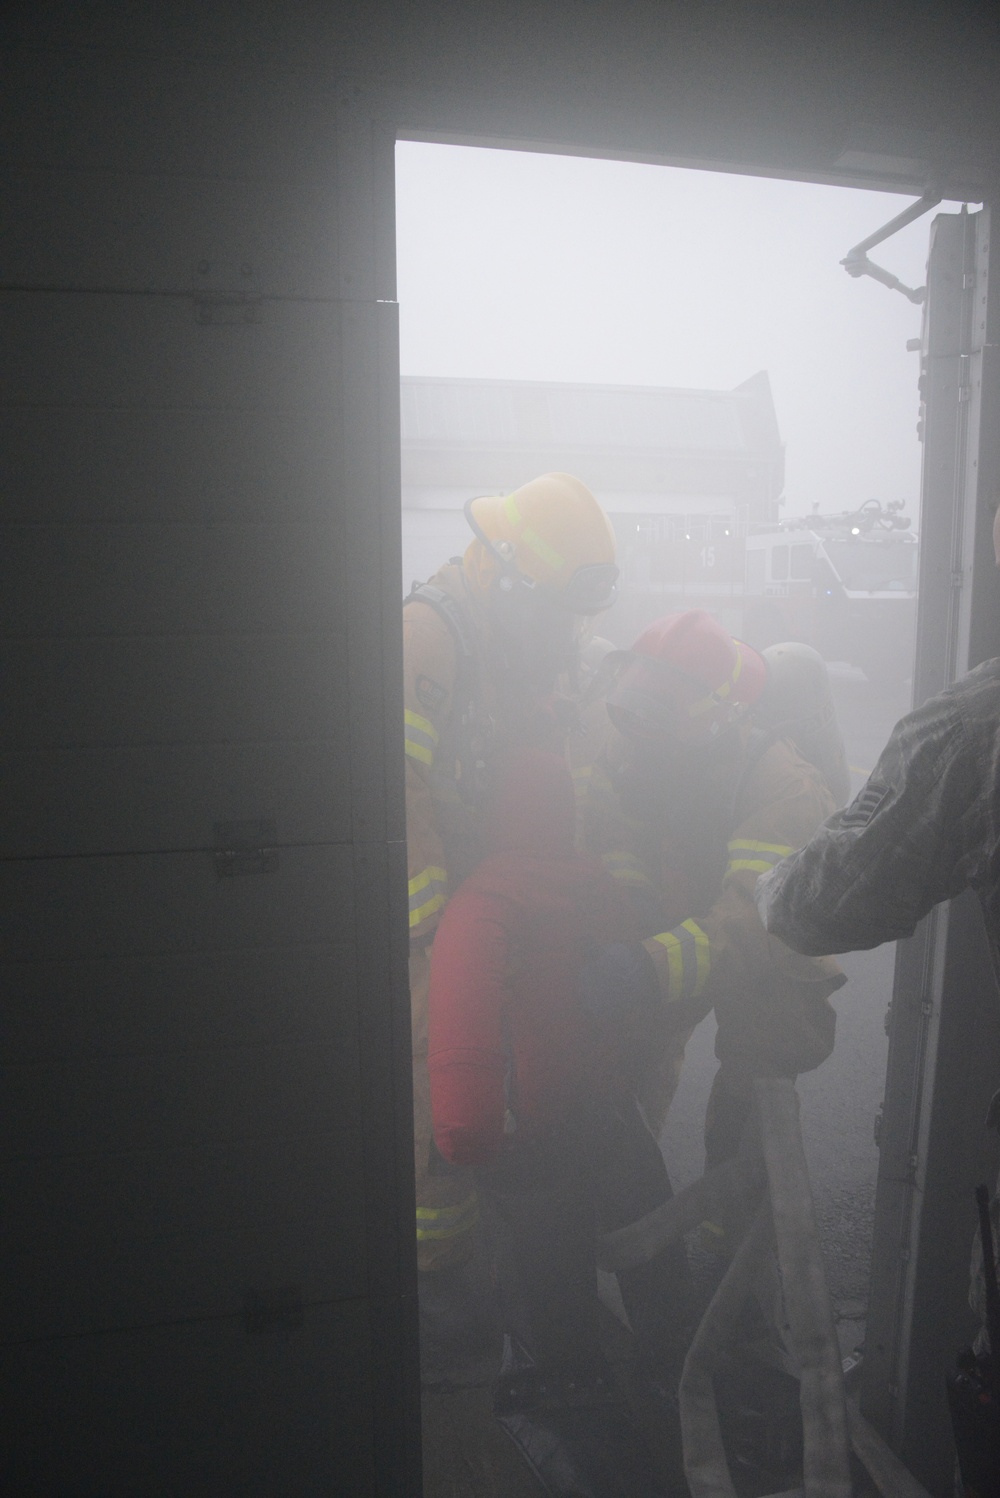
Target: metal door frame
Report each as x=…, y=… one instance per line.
x=944, y=1033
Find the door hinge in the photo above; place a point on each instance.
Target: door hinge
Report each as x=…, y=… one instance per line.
x=276, y=1309
x=225, y=291
x=245, y=848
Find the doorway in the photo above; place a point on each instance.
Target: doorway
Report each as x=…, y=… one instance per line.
x=689, y=345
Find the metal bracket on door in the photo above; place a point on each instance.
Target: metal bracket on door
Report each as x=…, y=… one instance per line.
x=856, y=262
x=245, y=848
x=225, y=291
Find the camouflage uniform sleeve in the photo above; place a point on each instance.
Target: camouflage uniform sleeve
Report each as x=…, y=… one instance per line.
x=429, y=667
x=908, y=840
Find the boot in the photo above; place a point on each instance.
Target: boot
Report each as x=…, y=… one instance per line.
x=574, y=1431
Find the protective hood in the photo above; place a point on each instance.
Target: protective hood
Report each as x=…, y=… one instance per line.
x=533, y=811
x=686, y=681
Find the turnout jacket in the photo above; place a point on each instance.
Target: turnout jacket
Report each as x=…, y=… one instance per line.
x=924, y=827
x=463, y=704
x=511, y=1053
x=693, y=871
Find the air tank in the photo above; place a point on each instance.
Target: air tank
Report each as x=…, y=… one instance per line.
x=797, y=700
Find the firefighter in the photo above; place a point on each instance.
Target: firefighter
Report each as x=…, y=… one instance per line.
x=533, y=1095
x=689, y=805
x=484, y=642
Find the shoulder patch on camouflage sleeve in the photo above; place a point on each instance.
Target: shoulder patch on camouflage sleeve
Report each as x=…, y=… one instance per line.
x=430, y=694
x=864, y=806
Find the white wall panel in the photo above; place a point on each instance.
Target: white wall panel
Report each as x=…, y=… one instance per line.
x=119, y=111
x=188, y=1099
x=114, y=800
x=79, y=463
x=98, y=230
x=175, y=689
x=200, y=1409
x=219, y=1185
x=139, y=351
x=83, y=1289
x=235, y=1170
x=77, y=1008
x=162, y=903
x=218, y=1097
x=135, y=579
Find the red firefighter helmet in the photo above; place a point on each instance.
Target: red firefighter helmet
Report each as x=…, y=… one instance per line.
x=685, y=681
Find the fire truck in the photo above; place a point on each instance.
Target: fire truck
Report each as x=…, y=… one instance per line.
x=844, y=583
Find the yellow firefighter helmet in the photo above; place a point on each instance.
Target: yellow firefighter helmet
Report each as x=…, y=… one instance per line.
x=551, y=532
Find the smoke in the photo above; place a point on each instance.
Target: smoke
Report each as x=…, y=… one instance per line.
x=516, y=265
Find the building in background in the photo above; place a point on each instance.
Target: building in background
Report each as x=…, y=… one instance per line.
x=684, y=475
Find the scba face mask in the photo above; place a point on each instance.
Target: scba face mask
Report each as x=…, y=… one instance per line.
x=546, y=636
x=661, y=774
x=543, y=618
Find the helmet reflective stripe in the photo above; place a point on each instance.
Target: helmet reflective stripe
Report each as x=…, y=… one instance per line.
x=447, y=1222
x=421, y=737
x=531, y=538
x=755, y=858
x=714, y=699
x=689, y=959
x=428, y=892
x=552, y=532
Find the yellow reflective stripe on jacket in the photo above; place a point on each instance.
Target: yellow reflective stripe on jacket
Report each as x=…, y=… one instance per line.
x=421, y=737
x=428, y=892
x=447, y=1222
x=625, y=868
x=689, y=959
x=755, y=858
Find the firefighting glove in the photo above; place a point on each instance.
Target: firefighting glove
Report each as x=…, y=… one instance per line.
x=619, y=984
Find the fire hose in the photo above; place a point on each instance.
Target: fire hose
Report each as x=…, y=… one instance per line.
x=769, y=1178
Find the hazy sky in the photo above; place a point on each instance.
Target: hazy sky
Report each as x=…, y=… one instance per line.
x=521, y=266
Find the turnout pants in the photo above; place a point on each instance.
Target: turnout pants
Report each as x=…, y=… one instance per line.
x=544, y=1206
x=446, y=1195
